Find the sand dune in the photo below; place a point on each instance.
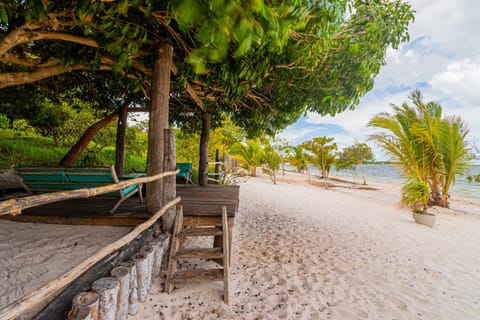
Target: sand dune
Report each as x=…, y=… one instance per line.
x=303, y=252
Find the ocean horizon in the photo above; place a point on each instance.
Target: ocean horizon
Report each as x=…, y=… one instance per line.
x=389, y=173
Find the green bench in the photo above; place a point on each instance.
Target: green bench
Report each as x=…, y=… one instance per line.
x=185, y=171
x=40, y=179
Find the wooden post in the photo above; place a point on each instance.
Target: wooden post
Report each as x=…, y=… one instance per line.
x=158, y=122
x=148, y=251
x=132, y=286
x=157, y=245
x=217, y=166
x=81, y=312
x=166, y=245
x=204, y=138
x=123, y=276
x=120, y=141
x=85, y=299
x=169, y=183
x=107, y=290
x=141, y=263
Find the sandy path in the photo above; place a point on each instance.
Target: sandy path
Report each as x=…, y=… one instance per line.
x=33, y=254
x=303, y=252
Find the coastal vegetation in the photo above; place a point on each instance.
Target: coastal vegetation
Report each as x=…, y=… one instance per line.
x=430, y=149
x=265, y=66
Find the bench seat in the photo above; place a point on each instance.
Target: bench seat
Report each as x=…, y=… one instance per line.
x=40, y=179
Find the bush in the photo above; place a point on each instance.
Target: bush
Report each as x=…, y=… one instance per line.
x=4, y=122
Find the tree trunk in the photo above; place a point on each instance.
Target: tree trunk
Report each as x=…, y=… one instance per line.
x=85, y=139
x=204, y=138
x=120, y=141
x=363, y=173
x=158, y=122
x=169, y=183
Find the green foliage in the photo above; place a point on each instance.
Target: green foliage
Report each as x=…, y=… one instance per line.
x=416, y=195
x=474, y=178
x=297, y=157
x=426, y=146
x=74, y=126
x=29, y=150
x=250, y=155
x=262, y=63
x=22, y=128
x=4, y=121
x=36, y=149
x=323, y=152
x=271, y=161
x=354, y=155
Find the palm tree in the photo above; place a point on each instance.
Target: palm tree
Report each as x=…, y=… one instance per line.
x=454, y=152
x=428, y=149
x=250, y=155
x=297, y=157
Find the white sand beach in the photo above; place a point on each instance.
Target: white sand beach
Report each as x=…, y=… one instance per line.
x=33, y=254
x=305, y=252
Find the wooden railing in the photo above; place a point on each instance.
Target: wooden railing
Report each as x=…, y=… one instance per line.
x=17, y=205
x=21, y=306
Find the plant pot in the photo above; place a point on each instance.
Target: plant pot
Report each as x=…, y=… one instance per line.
x=427, y=219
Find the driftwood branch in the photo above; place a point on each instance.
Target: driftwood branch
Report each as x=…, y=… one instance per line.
x=16, y=206
x=21, y=306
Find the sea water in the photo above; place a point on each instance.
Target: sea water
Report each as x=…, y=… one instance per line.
x=389, y=173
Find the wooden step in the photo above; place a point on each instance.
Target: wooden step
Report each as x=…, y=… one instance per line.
x=199, y=253
x=198, y=275
x=199, y=232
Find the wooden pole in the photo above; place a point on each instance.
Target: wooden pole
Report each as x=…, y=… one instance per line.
x=141, y=262
x=158, y=122
x=107, y=290
x=132, y=286
x=16, y=205
x=169, y=183
x=88, y=299
x=204, y=138
x=28, y=302
x=149, y=252
x=157, y=244
x=217, y=166
x=81, y=312
x=122, y=274
x=120, y=140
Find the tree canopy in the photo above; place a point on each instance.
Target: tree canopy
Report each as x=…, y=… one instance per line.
x=263, y=63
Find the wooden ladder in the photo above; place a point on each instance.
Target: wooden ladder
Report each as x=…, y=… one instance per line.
x=179, y=252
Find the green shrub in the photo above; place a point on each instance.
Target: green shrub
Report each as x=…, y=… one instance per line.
x=4, y=122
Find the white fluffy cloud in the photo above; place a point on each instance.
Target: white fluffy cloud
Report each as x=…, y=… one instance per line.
x=442, y=59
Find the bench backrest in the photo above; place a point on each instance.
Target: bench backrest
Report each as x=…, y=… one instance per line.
x=184, y=168
x=39, y=179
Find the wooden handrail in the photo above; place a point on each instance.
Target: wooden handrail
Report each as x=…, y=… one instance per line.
x=31, y=300
x=15, y=206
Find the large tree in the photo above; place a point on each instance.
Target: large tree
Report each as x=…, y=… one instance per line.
x=262, y=63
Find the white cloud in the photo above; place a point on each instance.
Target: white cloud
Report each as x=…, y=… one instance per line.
x=295, y=135
x=442, y=59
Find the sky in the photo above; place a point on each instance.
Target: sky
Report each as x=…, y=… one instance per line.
x=442, y=59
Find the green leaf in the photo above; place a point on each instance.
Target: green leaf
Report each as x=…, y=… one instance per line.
x=3, y=16
x=197, y=61
x=189, y=12
x=243, y=48
x=123, y=8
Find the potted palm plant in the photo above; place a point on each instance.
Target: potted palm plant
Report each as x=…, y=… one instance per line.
x=416, y=195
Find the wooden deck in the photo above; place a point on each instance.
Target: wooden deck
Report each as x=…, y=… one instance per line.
x=196, y=200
